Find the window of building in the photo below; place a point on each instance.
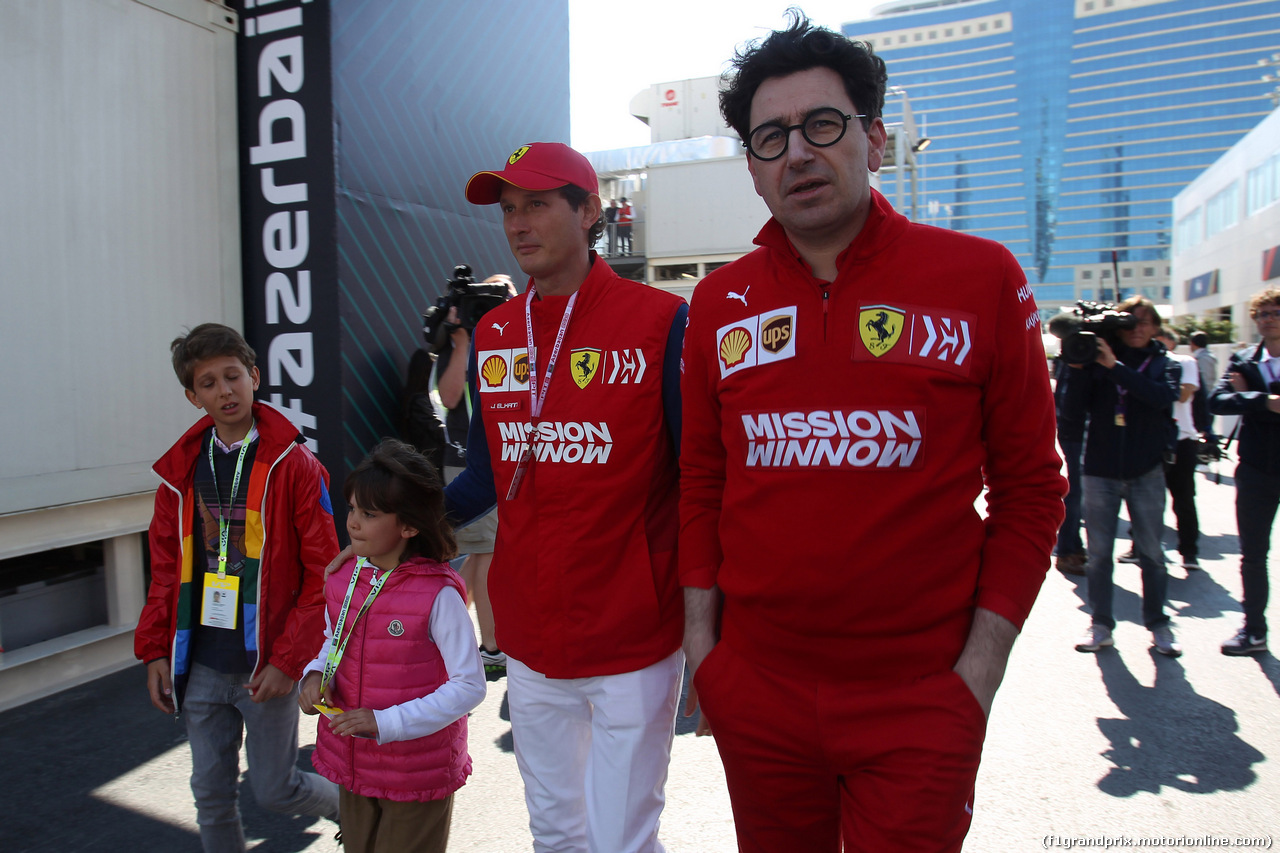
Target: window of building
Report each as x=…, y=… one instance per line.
x=1086, y=293
x=676, y=272
x=982, y=27
x=1105, y=274
x=51, y=594
x=965, y=29
x=1262, y=185
x=949, y=32
x=917, y=36
x=1148, y=272
x=1127, y=272
x=712, y=266
x=1088, y=6
x=997, y=24
x=902, y=39
x=933, y=34
x=1222, y=210
x=1086, y=275
x=1189, y=231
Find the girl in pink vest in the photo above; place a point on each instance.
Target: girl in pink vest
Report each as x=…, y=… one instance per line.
x=399, y=669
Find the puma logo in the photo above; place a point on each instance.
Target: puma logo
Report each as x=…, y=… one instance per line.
x=741, y=296
x=501, y=328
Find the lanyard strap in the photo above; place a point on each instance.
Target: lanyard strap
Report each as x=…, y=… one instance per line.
x=1122, y=392
x=224, y=523
x=536, y=399
x=338, y=647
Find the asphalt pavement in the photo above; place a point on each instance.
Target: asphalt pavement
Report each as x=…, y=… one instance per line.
x=1117, y=749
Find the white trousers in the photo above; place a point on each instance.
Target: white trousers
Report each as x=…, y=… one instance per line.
x=593, y=753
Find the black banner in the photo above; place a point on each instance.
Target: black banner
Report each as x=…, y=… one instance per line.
x=287, y=214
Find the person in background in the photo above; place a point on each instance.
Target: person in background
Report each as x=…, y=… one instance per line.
x=1070, y=557
x=1180, y=474
x=1249, y=388
x=1127, y=393
x=476, y=539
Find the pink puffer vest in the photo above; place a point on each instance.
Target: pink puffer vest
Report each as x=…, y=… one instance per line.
x=390, y=659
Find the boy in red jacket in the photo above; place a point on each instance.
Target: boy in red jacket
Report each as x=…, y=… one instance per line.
x=242, y=530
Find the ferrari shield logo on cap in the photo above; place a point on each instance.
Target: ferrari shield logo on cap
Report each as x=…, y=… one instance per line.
x=880, y=327
x=583, y=364
x=517, y=154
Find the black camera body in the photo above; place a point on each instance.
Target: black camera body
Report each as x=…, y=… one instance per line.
x=472, y=299
x=1080, y=328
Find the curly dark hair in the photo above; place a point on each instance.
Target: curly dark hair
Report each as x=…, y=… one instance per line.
x=397, y=479
x=798, y=48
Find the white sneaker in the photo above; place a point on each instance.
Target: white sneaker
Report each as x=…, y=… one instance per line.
x=1164, y=642
x=1095, y=638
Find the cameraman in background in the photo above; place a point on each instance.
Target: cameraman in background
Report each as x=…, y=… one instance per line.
x=1250, y=388
x=476, y=540
x=1127, y=394
x=1180, y=464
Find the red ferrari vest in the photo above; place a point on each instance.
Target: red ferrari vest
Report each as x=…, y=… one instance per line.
x=583, y=580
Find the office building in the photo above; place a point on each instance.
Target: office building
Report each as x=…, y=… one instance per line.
x=1065, y=129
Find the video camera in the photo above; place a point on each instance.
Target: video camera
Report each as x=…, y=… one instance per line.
x=1080, y=328
x=472, y=299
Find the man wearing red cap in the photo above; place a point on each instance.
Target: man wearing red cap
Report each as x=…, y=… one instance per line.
x=574, y=435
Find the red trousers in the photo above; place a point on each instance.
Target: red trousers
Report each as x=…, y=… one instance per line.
x=874, y=766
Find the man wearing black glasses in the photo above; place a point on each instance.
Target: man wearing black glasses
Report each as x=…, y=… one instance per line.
x=861, y=377
x=1249, y=388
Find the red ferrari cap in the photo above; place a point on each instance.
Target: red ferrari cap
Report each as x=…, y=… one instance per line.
x=536, y=166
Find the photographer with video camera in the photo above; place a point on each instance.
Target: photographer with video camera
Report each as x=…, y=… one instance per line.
x=1250, y=388
x=448, y=327
x=1127, y=392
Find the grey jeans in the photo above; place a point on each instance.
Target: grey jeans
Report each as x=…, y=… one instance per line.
x=219, y=714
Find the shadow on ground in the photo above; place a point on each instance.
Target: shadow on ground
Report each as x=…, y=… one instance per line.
x=60, y=749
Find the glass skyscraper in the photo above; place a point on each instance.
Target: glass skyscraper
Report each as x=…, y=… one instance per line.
x=1064, y=128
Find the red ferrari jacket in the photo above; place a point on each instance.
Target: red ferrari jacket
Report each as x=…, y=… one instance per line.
x=837, y=435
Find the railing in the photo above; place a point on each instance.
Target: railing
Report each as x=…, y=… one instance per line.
x=621, y=240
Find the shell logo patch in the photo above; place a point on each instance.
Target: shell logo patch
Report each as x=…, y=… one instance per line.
x=517, y=154
x=759, y=340
x=396, y=628
x=734, y=346
x=583, y=362
x=494, y=371
x=503, y=370
x=880, y=327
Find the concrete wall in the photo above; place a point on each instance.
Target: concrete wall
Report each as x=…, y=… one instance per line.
x=118, y=228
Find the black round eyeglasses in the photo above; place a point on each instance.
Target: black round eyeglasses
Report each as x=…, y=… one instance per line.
x=821, y=128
